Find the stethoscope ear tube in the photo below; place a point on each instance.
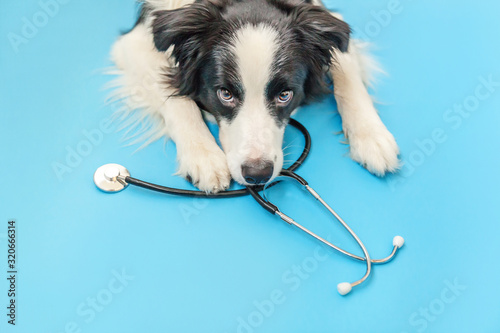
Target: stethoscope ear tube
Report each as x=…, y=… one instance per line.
x=345, y=287
x=263, y=203
x=254, y=190
x=114, y=178
x=293, y=175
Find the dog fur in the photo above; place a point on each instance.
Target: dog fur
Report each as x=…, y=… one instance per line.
x=239, y=61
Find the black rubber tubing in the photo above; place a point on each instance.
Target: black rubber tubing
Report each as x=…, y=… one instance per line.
x=232, y=193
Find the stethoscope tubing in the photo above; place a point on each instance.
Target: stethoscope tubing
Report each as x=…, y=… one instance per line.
x=343, y=288
x=274, y=209
x=230, y=193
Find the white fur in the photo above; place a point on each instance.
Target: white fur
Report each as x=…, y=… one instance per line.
x=371, y=144
x=147, y=98
x=139, y=85
x=253, y=134
x=369, y=67
x=168, y=4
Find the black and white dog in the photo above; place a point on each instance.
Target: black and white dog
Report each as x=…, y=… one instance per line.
x=248, y=64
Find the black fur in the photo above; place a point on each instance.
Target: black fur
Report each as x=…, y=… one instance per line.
x=201, y=34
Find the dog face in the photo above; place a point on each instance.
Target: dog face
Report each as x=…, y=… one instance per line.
x=250, y=64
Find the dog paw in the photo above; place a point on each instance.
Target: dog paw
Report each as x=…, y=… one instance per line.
x=376, y=150
x=205, y=166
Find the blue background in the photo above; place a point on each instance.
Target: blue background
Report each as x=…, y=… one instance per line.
x=216, y=266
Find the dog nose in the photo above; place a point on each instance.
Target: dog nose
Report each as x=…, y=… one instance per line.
x=257, y=172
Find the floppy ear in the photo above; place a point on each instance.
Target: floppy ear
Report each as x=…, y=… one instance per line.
x=188, y=30
x=320, y=29
x=319, y=33
x=184, y=25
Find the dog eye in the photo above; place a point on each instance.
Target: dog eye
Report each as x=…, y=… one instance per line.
x=225, y=95
x=285, y=96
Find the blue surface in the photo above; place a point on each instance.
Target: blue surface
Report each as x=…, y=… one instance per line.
x=226, y=265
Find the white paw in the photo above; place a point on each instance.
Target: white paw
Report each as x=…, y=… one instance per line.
x=205, y=166
x=375, y=149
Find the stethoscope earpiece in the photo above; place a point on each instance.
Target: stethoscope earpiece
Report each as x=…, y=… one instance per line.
x=115, y=178
x=345, y=287
x=398, y=241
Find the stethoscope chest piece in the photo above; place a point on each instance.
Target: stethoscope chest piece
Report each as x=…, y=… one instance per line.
x=114, y=178
x=110, y=177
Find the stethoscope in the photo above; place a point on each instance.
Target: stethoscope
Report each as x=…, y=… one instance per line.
x=114, y=178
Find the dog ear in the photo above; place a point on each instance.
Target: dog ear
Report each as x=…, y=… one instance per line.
x=319, y=33
x=189, y=30
x=320, y=29
x=184, y=26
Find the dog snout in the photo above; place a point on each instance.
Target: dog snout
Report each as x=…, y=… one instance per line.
x=257, y=172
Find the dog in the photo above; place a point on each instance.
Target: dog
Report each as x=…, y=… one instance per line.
x=247, y=65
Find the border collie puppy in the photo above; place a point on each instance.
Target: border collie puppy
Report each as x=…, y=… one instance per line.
x=248, y=65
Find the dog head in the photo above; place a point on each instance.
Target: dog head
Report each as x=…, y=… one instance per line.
x=250, y=64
